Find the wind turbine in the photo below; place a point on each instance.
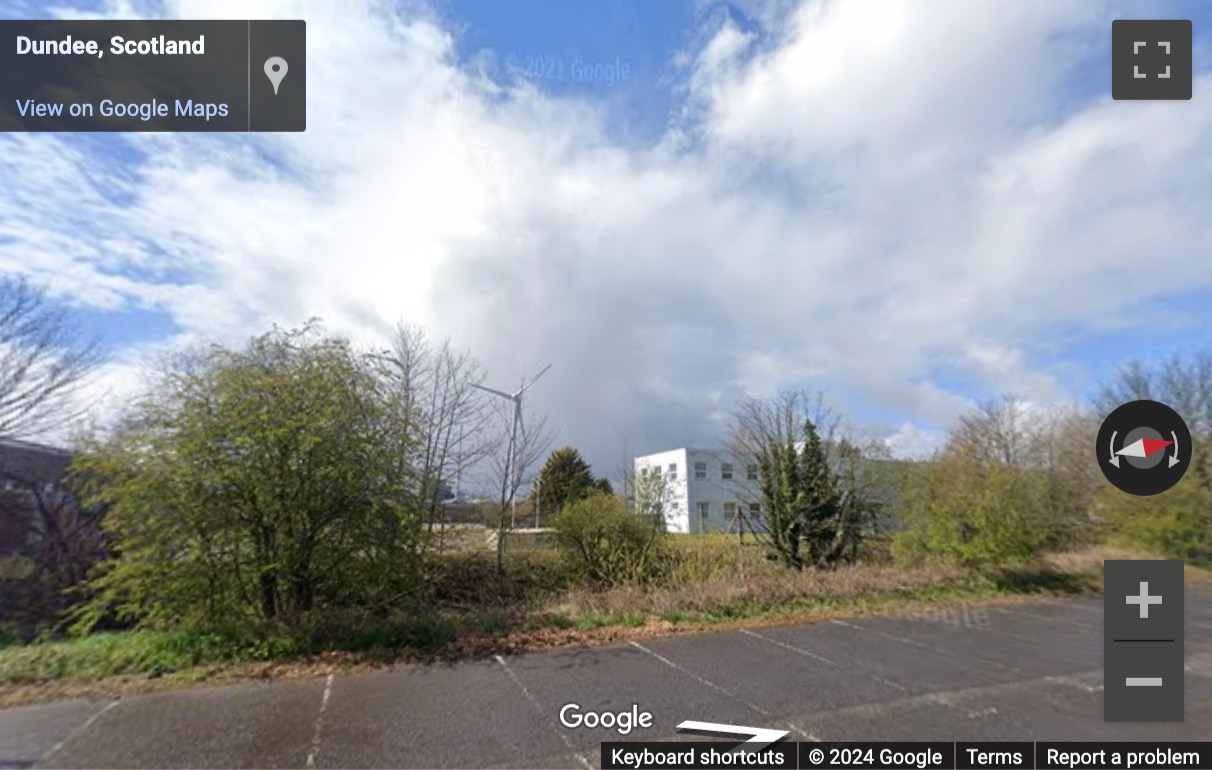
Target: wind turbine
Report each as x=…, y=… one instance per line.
x=512, y=455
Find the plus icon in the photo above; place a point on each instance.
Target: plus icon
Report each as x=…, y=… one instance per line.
x=1144, y=600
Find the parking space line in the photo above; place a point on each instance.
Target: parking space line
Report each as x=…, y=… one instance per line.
x=314, y=750
x=87, y=723
x=1048, y=618
x=534, y=701
x=814, y=656
x=955, y=699
x=924, y=646
x=721, y=689
x=792, y=648
x=1074, y=681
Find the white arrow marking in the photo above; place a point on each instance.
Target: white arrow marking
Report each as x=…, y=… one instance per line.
x=1114, y=456
x=1174, y=457
x=762, y=737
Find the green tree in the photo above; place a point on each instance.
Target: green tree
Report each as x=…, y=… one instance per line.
x=863, y=494
x=973, y=513
x=802, y=503
x=1178, y=522
x=816, y=503
x=250, y=487
x=565, y=478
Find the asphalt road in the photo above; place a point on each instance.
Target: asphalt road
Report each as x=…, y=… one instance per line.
x=1028, y=672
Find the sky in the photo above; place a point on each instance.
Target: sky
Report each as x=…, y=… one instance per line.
x=912, y=207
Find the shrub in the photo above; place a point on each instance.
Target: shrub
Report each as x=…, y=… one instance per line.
x=254, y=486
x=974, y=514
x=610, y=546
x=1177, y=523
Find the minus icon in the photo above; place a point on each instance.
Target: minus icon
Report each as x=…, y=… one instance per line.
x=1144, y=681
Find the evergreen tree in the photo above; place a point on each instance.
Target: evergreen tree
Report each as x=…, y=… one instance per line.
x=802, y=503
x=565, y=478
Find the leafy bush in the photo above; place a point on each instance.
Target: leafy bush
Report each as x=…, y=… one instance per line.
x=610, y=546
x=974, y=514
x=255, y=486
x=1177, y=523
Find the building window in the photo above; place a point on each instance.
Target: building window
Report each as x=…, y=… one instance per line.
x=704, y=510
x=751, y=471
x=729, y=511
x=700, y=470
x=673, y=470
x=755, y=511
x=726, y=471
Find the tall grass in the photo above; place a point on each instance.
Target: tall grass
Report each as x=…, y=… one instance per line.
x=711, y=580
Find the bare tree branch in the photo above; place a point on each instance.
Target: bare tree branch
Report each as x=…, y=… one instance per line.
x=510, y=470
x=44, y=362
x=1182, y=382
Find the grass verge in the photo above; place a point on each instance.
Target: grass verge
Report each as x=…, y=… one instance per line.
x=706, y=596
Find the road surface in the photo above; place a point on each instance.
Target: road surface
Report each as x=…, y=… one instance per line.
x=1025, y=672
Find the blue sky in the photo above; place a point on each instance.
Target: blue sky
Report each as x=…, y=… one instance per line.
x=677, y=203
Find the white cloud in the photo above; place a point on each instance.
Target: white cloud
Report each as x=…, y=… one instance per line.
x=910, y=442
x=862, y=204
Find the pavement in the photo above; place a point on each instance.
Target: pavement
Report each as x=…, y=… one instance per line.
x=983, y=673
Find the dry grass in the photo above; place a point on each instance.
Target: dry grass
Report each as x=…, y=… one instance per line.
x=534, y=606
x=750, y=586
x=1091, y=559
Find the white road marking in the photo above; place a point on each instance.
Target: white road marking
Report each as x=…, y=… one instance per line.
x=1073, y=681
x=792, y=648
x=1048, y=618
x=314, y=750
x=948, y=699
x=801, y=651
x=720, y=689
x=55, y=749
x=924, y=646
x=539, y=708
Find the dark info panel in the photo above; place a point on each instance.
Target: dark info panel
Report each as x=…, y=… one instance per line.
x=177, y=76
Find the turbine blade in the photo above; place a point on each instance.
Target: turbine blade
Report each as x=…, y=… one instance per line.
x=500, y=393
x=533, y=380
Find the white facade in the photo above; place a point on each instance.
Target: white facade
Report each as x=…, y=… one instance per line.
x=710, y=490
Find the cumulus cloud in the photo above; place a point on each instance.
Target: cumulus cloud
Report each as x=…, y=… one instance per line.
x=861, y=197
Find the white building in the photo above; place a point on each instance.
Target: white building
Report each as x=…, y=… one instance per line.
x=709, y=490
